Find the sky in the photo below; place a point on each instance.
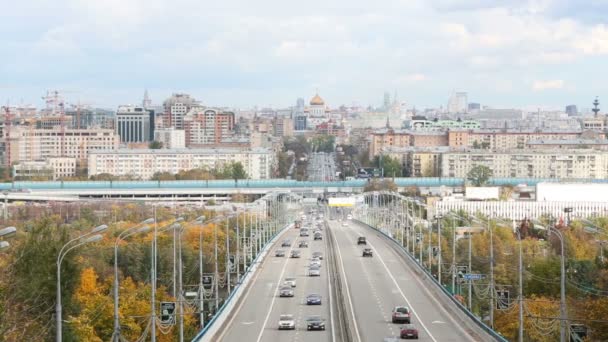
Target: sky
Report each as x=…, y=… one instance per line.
x=244, y=53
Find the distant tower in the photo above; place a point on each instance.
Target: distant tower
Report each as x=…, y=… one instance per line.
x=387, y=101
x=388, y=123
x=596, y=108
x=146, y=103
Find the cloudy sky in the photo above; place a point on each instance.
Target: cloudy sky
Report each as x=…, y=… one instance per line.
x=517, y=53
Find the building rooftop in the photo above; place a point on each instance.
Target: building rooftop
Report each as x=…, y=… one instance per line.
x=225, y=150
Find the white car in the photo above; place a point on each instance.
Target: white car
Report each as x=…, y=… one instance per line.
x=344, y=224
x=349, y=217
x=290, y=282
x=287, y=322
x=315, y=262
x=314, y=271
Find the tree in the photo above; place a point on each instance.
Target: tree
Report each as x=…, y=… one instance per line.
x=238, y=171
x=391, y=166
x=380, y=185
x=163, y=176
x=479, y=175
x=156, y=145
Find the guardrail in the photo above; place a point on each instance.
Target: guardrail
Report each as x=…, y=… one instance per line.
x=218, y=320
x=466, y=311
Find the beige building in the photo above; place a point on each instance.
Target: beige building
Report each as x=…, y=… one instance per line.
x=51, y=168
x=506, y=140
x=418, y=161
x=258, y=163
x=386, y=138
x=171, y=137
x=30, y=144
x=564, y=164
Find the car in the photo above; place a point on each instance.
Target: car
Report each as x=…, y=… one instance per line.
x=344, y=224
x=290, y=281
x=318, y=236
x=361, y=240
x=279, y=253
x=315, y=323
x=286, y=291
x=287, y=322
x=313, y=299
x=409, y=331
x=304, y=232
x=367, y=252
x=315, y=262
x=303, y=244
x=286, y=243
x=317, y=255
x=314, y=271
x=401, y=314
x=349, y=217
x=295, y=254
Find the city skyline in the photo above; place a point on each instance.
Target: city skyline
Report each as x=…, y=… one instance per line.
x=523, y=54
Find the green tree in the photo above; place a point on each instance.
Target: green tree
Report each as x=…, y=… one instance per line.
x=163, y=176
x=479, y=175
x=391, y=166
x=237, y=171
x=156, y=145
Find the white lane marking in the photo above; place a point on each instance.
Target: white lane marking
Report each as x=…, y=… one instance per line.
x=390, y=274
x=247, y=323
x=274, y=297
x=350, y=302
x=331, y=301
x=253, y=280
x=438, y=322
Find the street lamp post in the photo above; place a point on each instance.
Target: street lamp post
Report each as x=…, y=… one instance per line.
x=62, y=253
x=122, y=236
x=439, y=217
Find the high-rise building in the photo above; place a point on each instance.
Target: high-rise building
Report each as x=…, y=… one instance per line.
x=457, y=103
x=386, y=105
x=134, y=124
x=146, y=103
x=473, y=107
x=175, y=109
x=571, y=110
x=170, y=137
x=300, y=123
x=207, y=126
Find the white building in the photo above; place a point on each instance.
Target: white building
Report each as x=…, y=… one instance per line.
x=53, y=168
x=259, y=163
x=317, y=113
x=171, y=138
x=458, y=103
x=29, y=144
x=563, y=164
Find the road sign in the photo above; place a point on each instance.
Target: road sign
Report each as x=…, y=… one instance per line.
x=207, y=282
x=472, y=276
x=167, y=313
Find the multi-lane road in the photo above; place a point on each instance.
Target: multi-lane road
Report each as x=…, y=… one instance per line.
x=256, y=318
x=371, y=288
x=322, y=167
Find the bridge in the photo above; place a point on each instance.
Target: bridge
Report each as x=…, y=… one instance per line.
x=358, y=293
x=214, y=189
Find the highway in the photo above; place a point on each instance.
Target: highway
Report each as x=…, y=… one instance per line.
x=322, y=167
x=256, y=318
x=384, y=281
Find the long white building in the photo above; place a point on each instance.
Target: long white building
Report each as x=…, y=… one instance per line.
x=259, y=163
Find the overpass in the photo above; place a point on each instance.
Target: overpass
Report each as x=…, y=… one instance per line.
x=204, y=190
x=358, y=293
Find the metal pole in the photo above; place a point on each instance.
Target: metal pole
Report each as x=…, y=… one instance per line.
x=180, y=289
x=469, y=271
x=439, y=249
x=492, y=289
x=216, y=271
x=116, y=334
x=562, y=304
x=201, y=299
x=521, y=291
x=153, y=279
x=58, y=309
x=238, y=247
x=174, y=262
x=227, y=256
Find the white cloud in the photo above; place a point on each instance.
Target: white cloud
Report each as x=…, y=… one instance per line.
x=548, y=85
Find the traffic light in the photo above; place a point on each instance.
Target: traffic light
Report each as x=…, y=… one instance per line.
x=207, y=282
x=503, y=299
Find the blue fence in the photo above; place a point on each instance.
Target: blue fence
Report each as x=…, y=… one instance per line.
x=264, y=183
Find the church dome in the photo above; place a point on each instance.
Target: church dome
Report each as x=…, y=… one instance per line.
x=317, y=101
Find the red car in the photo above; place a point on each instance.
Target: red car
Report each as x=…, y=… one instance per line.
x=409, y=331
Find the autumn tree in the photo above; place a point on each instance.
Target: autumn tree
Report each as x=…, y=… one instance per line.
x=479, y=175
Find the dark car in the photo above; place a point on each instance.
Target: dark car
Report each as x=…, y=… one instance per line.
x=313, y=299
x=315, y=323
x=361, y=240
x=303, y=244
x=295, y=254
x=286, y=291
x=318, y=236
x=318, y=255
x=279, y=253
x=367, y=252
x=286, y=243
x=409, y=331
x=401, y=314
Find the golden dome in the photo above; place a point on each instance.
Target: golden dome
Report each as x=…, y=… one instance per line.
x=317, y=101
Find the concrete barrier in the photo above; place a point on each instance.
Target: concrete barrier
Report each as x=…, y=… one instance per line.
x=224, y=312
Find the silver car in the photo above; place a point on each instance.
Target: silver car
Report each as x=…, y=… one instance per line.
x=314, y=271
x=286, y=291
x=287, y=322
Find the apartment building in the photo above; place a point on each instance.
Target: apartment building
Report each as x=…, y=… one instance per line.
x=170, y=137
x=51, y=168
x=387, y=137
x=259, y=163
x=30, y=144
x=208, y=126
x=564, y=164
x=509, y=139
x=176, y=108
